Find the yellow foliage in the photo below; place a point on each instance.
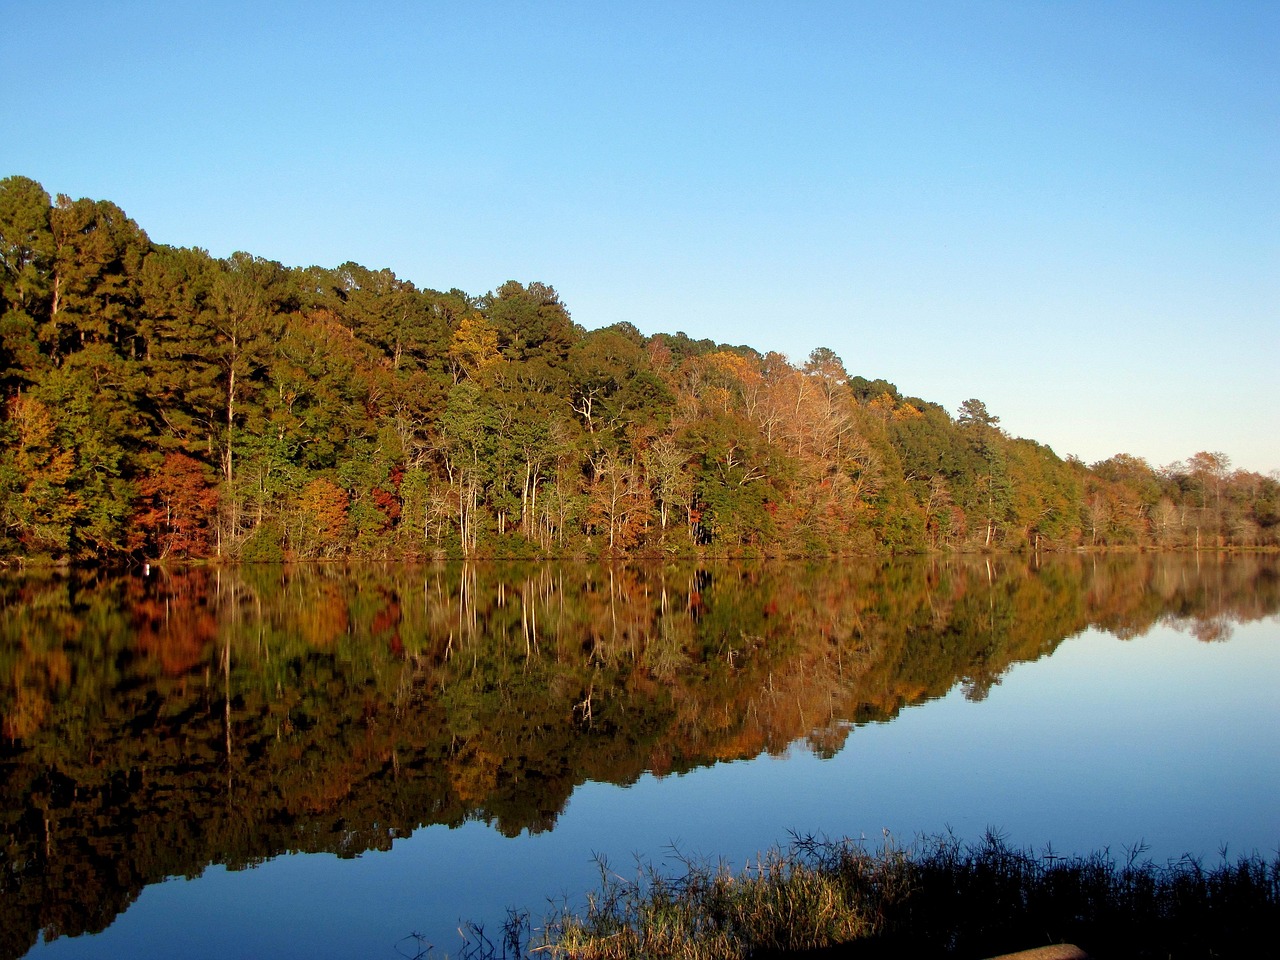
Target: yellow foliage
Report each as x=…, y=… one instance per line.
x=883, y=404
x=474, y=346
x=733, y=365
x=36, y=453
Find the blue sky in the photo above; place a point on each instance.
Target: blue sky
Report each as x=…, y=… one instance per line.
x=1068, y=210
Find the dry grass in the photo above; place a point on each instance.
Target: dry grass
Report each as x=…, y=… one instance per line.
x=937, y=897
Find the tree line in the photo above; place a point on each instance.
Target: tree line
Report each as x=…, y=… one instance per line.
x=159, y=402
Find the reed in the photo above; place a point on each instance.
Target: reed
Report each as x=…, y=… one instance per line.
x=935, y=897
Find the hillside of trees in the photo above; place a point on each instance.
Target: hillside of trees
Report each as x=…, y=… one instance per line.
x=159, y=402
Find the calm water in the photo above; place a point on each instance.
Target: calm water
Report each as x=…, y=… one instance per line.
x=318, y=762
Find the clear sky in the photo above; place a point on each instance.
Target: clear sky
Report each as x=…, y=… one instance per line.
x=1070, y=211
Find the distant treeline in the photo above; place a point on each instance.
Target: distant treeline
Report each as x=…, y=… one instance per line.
x=159, y=402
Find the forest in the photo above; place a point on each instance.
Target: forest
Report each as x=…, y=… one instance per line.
x=161, y=403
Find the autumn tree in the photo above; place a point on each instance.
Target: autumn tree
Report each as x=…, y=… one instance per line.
x=473, y=349
x=618, y=498
x=177, y=506
x=37, y=509
x=319, y=526
x=1209, y=472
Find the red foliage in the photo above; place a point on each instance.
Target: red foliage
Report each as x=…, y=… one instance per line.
x=172, y=621
x=388, y=618
x=175, y=508
x=388, y=504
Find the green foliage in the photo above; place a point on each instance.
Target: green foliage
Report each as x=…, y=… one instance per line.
x=519, y=431
x=264, y=545
x=531, y=322
x=865, y=390
x=26, y=259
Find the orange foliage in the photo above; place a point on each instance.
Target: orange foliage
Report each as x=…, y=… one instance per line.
x=176, y=505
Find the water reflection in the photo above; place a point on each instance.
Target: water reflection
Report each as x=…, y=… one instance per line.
x=153, y=726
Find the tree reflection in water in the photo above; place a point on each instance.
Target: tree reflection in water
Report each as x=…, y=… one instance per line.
x=153, y=726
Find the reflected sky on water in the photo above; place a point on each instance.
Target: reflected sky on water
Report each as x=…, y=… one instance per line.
x=1077, y=739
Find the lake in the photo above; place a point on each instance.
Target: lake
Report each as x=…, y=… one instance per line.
x=320, y=761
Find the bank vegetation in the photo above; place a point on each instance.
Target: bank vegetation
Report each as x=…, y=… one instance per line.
x=935, y=898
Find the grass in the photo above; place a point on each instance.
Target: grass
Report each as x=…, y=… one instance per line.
x=937, y=898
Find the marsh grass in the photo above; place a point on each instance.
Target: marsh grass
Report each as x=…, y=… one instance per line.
x=937, y=897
